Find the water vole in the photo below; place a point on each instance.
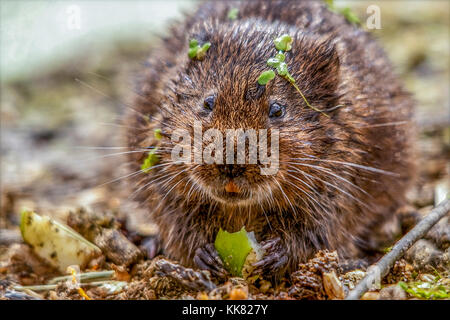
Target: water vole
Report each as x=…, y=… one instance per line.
x=340, y=175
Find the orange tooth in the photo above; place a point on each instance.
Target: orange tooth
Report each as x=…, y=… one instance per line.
x=232, y=187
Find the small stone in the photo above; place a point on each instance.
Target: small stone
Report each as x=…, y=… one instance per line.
x=117, y=247
x=440, y=234
x=238, y=294
x=392, y=293
x=423, y=255
x=370, y=296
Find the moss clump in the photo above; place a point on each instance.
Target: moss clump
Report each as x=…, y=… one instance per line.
x=426, y=290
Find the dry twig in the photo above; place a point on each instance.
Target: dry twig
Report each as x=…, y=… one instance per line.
x=382, y=267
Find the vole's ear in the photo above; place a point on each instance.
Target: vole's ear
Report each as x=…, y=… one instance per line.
x=316, y=68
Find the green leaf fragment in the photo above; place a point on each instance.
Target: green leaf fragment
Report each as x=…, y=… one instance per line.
x=192, y=53
x=386, y=250
x=201, y=53
x=197, y=52
x=233, y=13
x=283, y=42
x=193, y=43
x=282, y=69
x=151, y=160
x=350, y=15
x=346, y=12
x=265, y=77
x=280, y=56
x=157, y=134
x=233, y=249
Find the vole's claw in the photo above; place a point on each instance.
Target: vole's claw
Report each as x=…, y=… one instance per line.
x=207, y=258
x=151, y=246
x=270, y=244
x=274, y=257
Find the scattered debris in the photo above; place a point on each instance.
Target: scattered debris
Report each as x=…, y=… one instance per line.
x=308, y=280
x=193, y=280
x=351, y=278
x=25, y=267
x=103, y=231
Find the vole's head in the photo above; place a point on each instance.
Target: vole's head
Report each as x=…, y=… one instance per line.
x=222, y=92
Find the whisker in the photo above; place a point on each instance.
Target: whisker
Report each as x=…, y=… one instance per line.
x=121, y=126
x=339, y=189
x=330, y=172
x=114, y=154
x=285, y=196
x=135, y=173
x=355, y=165
x=100, y=148
x=305, y=193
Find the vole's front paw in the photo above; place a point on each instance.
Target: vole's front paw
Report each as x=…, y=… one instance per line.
x=207, y=258
x=274, y=259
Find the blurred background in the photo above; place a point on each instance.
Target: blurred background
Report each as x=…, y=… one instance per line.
x=67, y=72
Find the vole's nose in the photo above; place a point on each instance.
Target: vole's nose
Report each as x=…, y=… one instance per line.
x=231, y=170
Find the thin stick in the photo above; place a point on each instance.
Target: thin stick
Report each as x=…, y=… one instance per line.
x=85, y=277
x=41, y=287
x=48, y=287
x=382, y=267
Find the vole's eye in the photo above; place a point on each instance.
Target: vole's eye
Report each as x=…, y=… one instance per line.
x=276, y=110
x=209, y=103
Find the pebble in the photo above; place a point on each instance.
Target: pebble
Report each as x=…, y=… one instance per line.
x=423, y=255
x=392, y=293
x=370, y=296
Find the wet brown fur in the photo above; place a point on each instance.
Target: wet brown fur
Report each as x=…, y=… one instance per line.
x=339, y=68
